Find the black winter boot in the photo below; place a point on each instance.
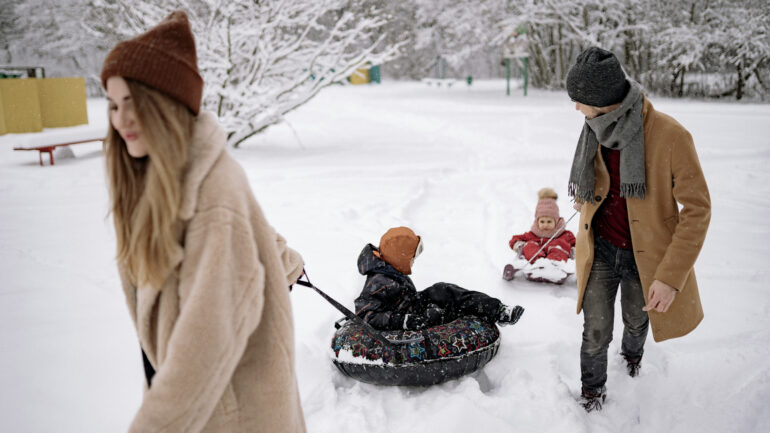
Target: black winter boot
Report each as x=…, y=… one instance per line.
x=633, y=364
x=593, y=399
x=509, y=315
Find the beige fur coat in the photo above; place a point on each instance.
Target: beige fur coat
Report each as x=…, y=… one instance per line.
x=220, y=333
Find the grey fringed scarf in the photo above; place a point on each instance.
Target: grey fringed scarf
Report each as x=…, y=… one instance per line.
x=621, y=129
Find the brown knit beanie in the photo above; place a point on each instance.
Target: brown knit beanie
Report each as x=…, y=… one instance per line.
x=163, y=58
x=398, y=247
x=547, y=206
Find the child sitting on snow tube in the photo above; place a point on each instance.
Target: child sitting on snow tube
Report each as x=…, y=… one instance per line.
x=438, y=334
x=390, y=301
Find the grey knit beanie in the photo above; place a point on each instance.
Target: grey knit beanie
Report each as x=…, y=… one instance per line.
x=596, y=79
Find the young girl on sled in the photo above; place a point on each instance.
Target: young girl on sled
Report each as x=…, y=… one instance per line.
x=547, y=223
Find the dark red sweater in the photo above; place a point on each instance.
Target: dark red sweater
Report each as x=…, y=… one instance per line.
x=611, y=220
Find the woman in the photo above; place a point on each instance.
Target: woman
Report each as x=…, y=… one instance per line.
x=205, y=276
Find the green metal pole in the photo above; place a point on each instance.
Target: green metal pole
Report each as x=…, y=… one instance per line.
x=443, y=68
x=526, y=68
x=508, y=76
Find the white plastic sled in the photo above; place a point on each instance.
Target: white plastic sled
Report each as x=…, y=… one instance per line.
x=541, y=270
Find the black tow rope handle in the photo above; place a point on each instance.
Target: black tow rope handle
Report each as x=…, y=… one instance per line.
x=342, y=309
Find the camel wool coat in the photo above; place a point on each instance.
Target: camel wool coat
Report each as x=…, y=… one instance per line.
x=220, y=333
x=666, y=240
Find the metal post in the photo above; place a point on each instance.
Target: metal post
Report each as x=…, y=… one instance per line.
x=526, y=68
x=443, y=68
x=508, y=76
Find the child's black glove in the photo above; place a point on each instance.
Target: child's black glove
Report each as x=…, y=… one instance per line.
x=413, y=322
x=434, y=314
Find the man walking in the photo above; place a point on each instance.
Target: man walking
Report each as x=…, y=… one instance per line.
x=644, y=211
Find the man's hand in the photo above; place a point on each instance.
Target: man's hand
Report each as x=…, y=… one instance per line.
x=661, y=297
x=577, y=206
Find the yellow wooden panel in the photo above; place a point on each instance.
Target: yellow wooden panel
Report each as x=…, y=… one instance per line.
x=361, y=76
x=21, y=105
x=3, y=130
x=63, y=101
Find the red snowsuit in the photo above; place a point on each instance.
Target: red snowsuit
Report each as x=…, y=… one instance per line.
x=558, y=249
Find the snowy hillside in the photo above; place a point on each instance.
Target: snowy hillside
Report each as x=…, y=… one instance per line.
x=460, y=166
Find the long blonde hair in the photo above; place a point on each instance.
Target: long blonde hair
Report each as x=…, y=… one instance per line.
x=146, y=193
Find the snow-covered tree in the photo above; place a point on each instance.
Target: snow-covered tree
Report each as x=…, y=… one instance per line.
x=455, y=30
x=560, y=29
x=8, y=31
x=447, y=37
x=261, y=59
x=739, y=39
x=723, y=45
x=658, y=41
x=50, y=34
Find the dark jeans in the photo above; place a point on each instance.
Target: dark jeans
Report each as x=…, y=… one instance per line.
x=456, y=302
x=612, y=266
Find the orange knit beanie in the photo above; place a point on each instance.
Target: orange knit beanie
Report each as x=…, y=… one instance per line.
x=398, y=246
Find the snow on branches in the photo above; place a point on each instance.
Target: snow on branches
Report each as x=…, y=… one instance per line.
x=261, y=60
x=722, y=46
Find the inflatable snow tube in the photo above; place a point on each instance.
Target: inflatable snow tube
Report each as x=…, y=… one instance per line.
x=415, y=358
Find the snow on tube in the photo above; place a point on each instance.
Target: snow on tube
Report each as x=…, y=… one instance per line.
x=415, y=358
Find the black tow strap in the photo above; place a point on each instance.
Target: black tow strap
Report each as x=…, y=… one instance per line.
x=342, y=309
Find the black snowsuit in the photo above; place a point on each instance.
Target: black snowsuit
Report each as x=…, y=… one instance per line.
x=388, y=296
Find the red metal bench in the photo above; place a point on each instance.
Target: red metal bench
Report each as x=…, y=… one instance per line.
x=49, y=148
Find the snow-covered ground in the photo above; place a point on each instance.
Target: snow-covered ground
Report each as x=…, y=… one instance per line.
x=461, y=166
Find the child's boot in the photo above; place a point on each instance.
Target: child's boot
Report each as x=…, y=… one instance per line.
x=509, y=315
x=508, y=272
